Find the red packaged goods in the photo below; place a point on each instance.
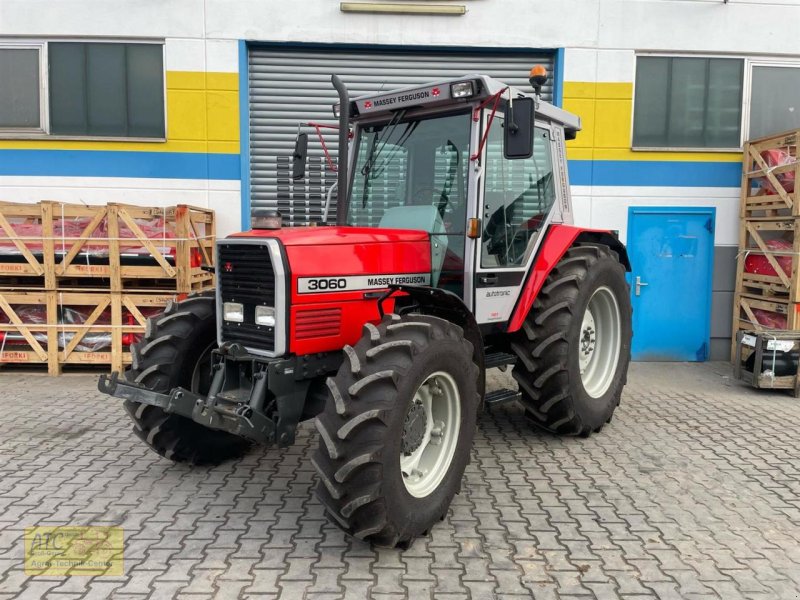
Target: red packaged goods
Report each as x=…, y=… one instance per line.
x=69, y=318
x=778, y=158
x=66, y=231
x=759, y=265
x=769, y=319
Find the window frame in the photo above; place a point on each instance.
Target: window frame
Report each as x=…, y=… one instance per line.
x=745, y=78
x=747, y=83
x=44, y=114
x=532, y=250
x=43, y=133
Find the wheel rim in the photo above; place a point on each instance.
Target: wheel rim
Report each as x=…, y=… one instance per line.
x=430, y=434
x=600, y=342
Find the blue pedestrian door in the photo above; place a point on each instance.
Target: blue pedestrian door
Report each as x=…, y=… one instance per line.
x=671, y=251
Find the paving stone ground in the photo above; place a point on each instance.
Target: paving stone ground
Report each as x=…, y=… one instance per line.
x=692, y=492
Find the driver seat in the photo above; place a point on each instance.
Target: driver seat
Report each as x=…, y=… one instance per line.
x=425, y=218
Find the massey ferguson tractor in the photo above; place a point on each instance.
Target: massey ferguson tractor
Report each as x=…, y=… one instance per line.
x=453, y=252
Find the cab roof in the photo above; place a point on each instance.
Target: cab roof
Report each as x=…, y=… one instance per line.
x=438, y=94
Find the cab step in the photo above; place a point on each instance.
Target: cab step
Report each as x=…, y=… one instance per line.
x=498, y=397
x=499, y=359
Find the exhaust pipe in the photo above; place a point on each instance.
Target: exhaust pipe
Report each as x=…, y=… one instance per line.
x=344, y=130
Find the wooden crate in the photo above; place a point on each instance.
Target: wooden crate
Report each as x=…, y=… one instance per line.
x=112, y=316
x=763, y=193
x=105, y=247
x=768, y=359
x=755, y=238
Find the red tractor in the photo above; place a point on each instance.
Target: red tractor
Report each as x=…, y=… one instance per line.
x=453, y=252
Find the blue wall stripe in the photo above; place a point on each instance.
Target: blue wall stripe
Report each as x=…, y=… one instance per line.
x=188, y=165
x=244, y=132
x=108, y=163
x=652, y=173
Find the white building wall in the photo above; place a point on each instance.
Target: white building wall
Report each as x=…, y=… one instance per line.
x=600, y=39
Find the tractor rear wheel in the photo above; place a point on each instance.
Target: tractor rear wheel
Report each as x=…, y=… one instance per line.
x=574, y=347
x=176, y=351
x=397, y=429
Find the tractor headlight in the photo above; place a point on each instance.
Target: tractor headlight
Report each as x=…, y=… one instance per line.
x=462, y=89
x=265, y=315
x=233, y=311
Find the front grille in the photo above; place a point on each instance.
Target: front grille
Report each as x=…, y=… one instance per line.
x=246, y=275
x=318, y=322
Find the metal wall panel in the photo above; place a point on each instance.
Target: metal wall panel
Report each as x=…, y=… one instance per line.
x=290, y=85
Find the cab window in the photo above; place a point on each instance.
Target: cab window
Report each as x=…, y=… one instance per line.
x=518, y=196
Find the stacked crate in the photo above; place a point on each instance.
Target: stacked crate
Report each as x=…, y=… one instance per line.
x=767, y=280
x=78, y=282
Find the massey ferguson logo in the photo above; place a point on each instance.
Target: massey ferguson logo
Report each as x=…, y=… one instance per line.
x=228, y=267
x=316, y=285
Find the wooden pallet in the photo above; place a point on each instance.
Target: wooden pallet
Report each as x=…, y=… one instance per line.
x=56, y=260
x=763, y=193
x=56, y=343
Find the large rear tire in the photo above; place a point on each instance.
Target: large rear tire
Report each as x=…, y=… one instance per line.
x=397, y=429
x=574, y=347
x=176, y=351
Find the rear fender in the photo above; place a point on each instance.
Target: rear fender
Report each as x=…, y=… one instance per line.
x=559, y=239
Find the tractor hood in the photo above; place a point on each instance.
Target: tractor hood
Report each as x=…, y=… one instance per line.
x=326, y=236
x=348, y=253
x=337, y=274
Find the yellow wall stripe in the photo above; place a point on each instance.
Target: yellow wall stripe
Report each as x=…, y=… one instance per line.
x=202, y=116
x=606, y=115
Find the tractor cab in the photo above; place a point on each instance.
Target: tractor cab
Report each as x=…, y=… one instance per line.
x=477, y=164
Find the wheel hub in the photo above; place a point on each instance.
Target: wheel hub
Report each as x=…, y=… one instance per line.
x=588, y=340
x=414, y=428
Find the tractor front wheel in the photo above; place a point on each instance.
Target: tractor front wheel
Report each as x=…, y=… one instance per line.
x=575, y=345
x=397, y=429
x=176, y=352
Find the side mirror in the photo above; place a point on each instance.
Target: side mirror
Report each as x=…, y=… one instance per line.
x=299, y=156
x=518, y=130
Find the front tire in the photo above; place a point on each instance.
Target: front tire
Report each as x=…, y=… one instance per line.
x=397, y=429
x=574, y=347
x=176, y=352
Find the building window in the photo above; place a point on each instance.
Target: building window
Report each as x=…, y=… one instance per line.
x=688, y=103
x=772, y=112
x=114, y=90
x=93, y=89
x=20, y=92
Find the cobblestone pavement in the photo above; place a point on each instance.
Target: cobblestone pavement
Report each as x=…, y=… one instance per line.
x=692, y=492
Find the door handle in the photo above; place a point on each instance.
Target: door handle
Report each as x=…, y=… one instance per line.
x=639, y=285
x=488, y=279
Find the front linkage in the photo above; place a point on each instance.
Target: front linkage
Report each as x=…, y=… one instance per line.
x=259, y=399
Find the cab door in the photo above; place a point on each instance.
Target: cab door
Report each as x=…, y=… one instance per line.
x=516, y=205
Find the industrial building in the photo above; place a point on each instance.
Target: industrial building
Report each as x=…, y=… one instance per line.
x=198, y=102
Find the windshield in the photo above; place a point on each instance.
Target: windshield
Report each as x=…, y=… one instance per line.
x=411, y=173
x=411, y=162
